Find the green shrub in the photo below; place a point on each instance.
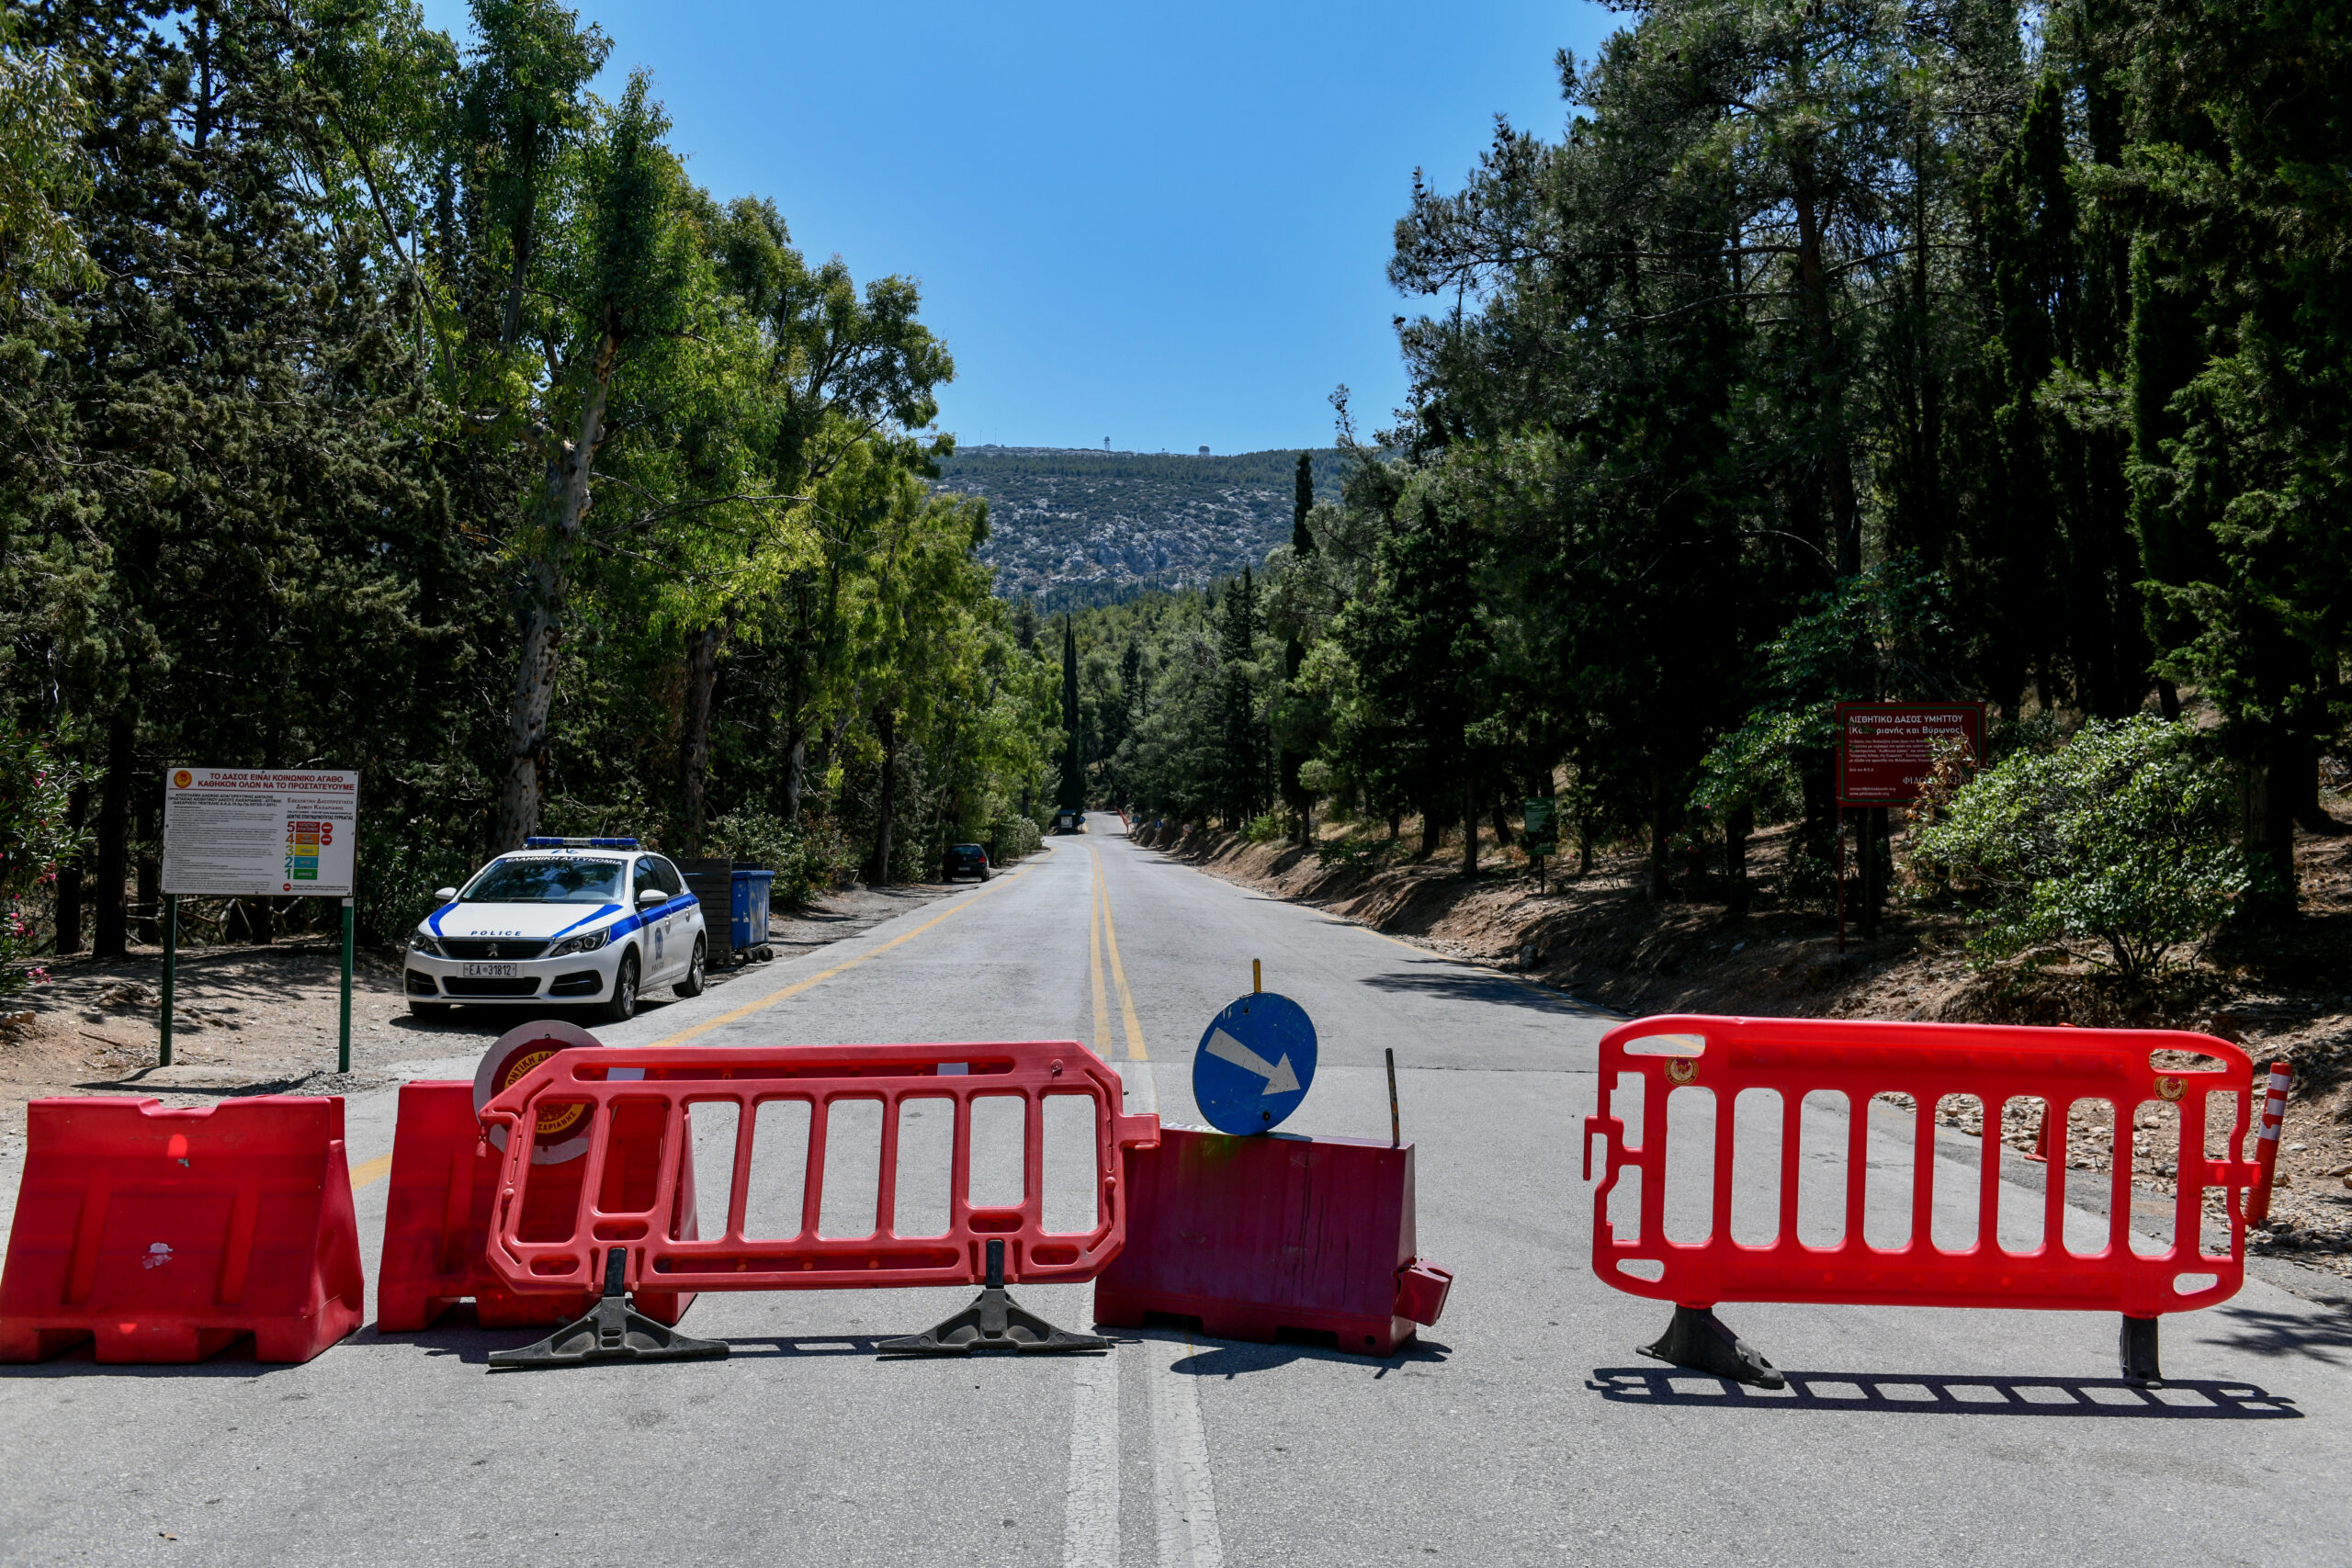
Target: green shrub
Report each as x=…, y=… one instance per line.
x=1264, y=828
x=2119, y=837
x=34, y=835
x=1012, y=837
x=813, y=858
x=1351, y=852
x=399, y=867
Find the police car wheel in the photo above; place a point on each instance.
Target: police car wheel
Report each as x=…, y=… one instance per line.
x=623, y=1007
x=431, y=1010
x=689, y=983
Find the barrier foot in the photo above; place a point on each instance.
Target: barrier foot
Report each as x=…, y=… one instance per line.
x=612, y=1331
x=994, y=1322
x=1697, y=1338
x=2138, y=1347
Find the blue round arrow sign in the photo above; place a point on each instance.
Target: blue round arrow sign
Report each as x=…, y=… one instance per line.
x=1255, y=1063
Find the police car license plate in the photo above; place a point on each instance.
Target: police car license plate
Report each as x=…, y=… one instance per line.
x=492, y=971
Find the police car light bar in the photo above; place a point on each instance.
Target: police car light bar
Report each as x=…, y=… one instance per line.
x=579, y=843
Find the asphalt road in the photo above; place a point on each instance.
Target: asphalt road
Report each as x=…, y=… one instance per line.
x=1522, y=1429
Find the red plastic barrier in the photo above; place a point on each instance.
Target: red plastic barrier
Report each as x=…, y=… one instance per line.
x=1723, y=1057
x=1254, y=1235
x=436, y=1222
x=605, y=1213
x=164, y=1236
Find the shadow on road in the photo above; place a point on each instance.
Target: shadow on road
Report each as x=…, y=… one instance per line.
x=1232, y=1358
x=1892, y=1393
x=1455, y=986
x=236, y=1361
x=2261, y=1331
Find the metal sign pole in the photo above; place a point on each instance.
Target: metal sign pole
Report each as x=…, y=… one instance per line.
x=343, y=1056
x=171, y=967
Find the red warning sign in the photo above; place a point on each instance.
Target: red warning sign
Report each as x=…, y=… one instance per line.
x=1886, y=751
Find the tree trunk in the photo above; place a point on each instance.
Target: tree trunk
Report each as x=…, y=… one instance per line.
x=1845, y=504
x=1738, y=825
x=821, y=765
x=526, y=212
x=1500, y=818
x=796, y=769
x=110, y=930
x=886, y=730
x=1470, y=827
x=694, y=744
x=1661, y=824
x=1875, y=859
x=150, y=878
x=1432, y=829
x=2267, y=822
x=69, y=879
x=540, y=614
x=1395, y=825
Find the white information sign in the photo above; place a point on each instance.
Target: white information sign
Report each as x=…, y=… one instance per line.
x=251, y=831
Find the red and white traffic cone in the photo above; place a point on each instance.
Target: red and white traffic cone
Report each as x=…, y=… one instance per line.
x=2265, y=1148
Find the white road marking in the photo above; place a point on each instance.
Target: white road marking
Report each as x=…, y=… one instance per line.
x=1143, y=1095
x=1091, y=1514
x=1184, y=1499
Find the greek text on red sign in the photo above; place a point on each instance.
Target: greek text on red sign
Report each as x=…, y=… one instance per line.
x=1886, y=751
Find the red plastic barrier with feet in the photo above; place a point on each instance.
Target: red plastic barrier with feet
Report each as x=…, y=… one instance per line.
x=164, y=1236
x=1258, y=1235
x=436, y=1221
x=636, y=1101
x=1714, y=1064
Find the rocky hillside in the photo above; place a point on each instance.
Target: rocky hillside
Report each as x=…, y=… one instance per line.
x=1073, y=527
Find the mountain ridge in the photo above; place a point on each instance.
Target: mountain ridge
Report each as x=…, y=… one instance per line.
x=1074, y=527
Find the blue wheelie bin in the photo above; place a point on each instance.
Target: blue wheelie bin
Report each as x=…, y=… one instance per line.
x=748, y=915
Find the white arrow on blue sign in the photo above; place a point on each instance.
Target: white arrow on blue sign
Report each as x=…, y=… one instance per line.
x=1255, y=1063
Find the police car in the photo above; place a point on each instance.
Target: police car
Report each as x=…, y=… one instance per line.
x=582, y=920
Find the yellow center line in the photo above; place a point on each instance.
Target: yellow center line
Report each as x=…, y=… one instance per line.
x=375, y=1171
x=1094, y=962
x=1135, y=1053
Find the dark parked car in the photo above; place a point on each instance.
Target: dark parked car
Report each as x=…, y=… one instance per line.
x=967, y=860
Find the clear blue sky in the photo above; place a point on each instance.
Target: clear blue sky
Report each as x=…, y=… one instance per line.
x=1166, y=225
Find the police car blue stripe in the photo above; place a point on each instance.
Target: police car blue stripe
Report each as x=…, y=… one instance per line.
x=584, y=919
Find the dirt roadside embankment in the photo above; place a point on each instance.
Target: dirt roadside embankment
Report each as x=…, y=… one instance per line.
x=2283, y=995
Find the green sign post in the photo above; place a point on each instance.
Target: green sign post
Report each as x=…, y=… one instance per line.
x=1543, y=832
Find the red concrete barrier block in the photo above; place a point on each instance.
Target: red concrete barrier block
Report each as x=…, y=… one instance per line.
x=164, y=1236
x=1258, y=1235
x=437, y=1215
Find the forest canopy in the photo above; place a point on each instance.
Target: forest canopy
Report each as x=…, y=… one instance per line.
x=1837, y=349
x=378, y=399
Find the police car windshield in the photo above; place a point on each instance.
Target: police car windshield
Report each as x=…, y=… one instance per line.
x=563, y=881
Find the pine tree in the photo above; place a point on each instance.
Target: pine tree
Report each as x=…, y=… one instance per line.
x=1073, y=783
x=1241, y=739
